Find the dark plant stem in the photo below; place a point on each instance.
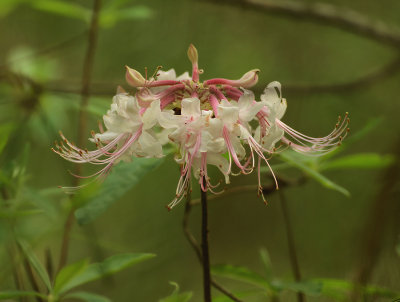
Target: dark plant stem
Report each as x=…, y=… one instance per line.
x=193, y=242
x=292, y=248
x=82, y=127
x=204, y=247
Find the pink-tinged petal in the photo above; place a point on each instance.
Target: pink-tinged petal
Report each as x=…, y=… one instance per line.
x=150, y=116
x=248, y=80
x=272, y=97
x=221, y=163
x=149, y=145
x=191, y=107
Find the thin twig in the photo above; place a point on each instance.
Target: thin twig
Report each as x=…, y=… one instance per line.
x=292, y=247
x=196, y=247
x=82, y=127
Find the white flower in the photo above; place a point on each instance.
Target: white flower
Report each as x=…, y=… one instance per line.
x=213, y=123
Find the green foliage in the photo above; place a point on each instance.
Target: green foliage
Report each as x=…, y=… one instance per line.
x=62, y=8
x=176, y=296
x=109, y=15
x=12, y=294
x=240, y=273
x=39, y=69
x=80, y=273
x=298, y=161
x=358, y=161
x=313, y=166
x=88, y=297
x=123, y=178
x=335, y=288
x=67, y=273
x=34, y=261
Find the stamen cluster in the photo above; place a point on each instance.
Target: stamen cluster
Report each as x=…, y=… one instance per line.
x=210, y=122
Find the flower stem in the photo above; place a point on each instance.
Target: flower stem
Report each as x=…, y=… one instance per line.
x=292, y=247
x=204, y=247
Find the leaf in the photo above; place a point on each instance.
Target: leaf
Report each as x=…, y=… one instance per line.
x=89, y=297
x=110, y=17
x=34, y=261
x=241, y=274
x=360, y=161
x=5, y=131
x=6, y=213
x=298, y=163
x=264, y=255
x=339, y=289
x=242, y=294
x=123, y=177
x=176, y=296
x=308, y=287
x=63, y=8
x=109, y=266
x=67, y=273
x=5, y=295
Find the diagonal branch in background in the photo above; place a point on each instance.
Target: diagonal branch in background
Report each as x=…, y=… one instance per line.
x=345, y=19
x=324, y=13
x=82, y=126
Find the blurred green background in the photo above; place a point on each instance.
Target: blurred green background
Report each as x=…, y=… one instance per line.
x=41, y=57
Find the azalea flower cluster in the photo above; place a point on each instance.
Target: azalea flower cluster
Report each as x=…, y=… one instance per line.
x=210, y=122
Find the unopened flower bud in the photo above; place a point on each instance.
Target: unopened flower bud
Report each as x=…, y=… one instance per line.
x=249, y=79
x=192, y=54
x=134, y=78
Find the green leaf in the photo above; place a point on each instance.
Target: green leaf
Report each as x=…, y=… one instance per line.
x=89, y=297
x=109, y=266
x=7, y=213
x=297, y=162
x=359, y=161
x=123, y=177
x=34, y=261
x=110, y=17
x=63, y=8
x=242, y=294
x=176, y=296
x=241, y=274
x=67, y=273
x=308, y=287
x=340, y=289
x=5, y=131
x=11, y=294
x=266, y=260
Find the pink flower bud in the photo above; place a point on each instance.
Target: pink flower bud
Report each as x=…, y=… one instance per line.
x=192, y=54
x=249, y=79
x=134, y=78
